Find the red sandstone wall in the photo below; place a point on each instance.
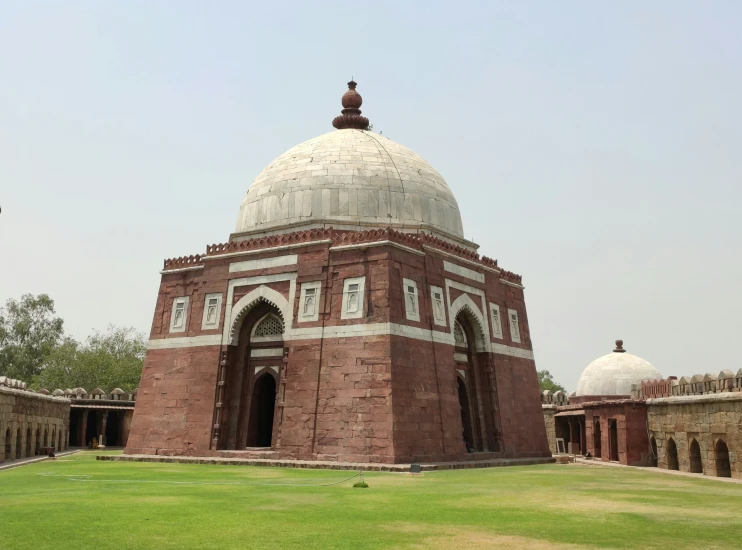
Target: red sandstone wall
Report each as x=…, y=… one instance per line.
x=376, y=398
x=175, y=404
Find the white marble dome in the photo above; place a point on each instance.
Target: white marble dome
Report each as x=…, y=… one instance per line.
x=352, y=179
x=349, y=178
x=613, y=374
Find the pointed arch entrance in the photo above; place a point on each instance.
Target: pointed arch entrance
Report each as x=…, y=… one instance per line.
x=672, y=455
x=252, y=378
x=262, y=407
x=696, y=465
x=475, y=380
x=721, y=456
x=597, y=438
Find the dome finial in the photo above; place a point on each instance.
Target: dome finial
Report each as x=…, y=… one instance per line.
x=619, y=347
x=351, y=113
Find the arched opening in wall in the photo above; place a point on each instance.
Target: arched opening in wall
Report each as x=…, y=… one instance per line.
x=29, y=442
x=37, y=446
x=18, y=444
x=252, y=379
x=672, y=455
x=263, y=404
x=597, y=438
x=468, y=340
x=465, y=412
x=721, y=455
x=53, y=442
x=7, y=444
x=696, y=465
x=613, y=440
x=46, y=437
x=113, y=435
x=91, y=428
x=653, y=451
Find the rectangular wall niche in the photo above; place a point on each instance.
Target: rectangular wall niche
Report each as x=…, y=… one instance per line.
x=309, y=301
x=514, y=326
x=353, y=291
x=212, y=311
x=179, y=314
x=496, y=321
x=439, y=311
x=411, y=301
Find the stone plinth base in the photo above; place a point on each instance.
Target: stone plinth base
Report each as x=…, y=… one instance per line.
x=329, y=465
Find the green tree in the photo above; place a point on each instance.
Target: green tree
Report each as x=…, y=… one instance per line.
x=108, y=360
x=29, y=332
x=546, y=382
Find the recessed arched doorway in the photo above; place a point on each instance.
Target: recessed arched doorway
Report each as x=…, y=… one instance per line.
x=672, y=455
x=613, y=440
x=29, y=442
x=465, y=412
x=262, y=407
x=597, y=438
x=721, y=454
x=696, y=465
x=252, y=379
x=469, y=345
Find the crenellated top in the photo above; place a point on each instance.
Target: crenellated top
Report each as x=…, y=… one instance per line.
x=183, y=262
x=698, y=384
x=417, y=241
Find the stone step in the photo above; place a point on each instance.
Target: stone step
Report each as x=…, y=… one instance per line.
x=254, y=452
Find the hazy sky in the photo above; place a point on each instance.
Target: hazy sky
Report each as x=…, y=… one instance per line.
x=594, y=148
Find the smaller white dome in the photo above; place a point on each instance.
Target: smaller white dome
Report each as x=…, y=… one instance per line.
x=613, y=374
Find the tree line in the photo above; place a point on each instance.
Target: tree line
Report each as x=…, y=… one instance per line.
x=35, y=349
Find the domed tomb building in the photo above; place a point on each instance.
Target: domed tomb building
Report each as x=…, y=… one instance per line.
x=347, y=318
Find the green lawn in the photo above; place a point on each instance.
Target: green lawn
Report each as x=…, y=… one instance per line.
x=163, y=506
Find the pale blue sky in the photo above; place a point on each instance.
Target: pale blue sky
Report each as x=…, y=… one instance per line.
x=594, y=148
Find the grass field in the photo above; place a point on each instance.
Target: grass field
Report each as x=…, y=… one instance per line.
x=163, y=506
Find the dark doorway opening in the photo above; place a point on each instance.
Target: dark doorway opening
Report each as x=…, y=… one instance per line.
x=38, y=441
x=7, y=444
x=465, y=413
x=696, y=466
x=53, y=442
x=613, y=440
x=74, y=431
x=672, y=455
x=91, y=429
x=597, y=436
x=723, y=467
x=112, y=430
x=28, y=442
x=653, y=450
x=18, y=446
x=260, y=429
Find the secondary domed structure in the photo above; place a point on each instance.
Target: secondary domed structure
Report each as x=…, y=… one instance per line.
x=350, y=178
x=346, y=319
x=613, y=374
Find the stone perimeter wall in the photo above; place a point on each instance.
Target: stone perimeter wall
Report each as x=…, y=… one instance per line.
x=708, y=419
x=30, y=420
